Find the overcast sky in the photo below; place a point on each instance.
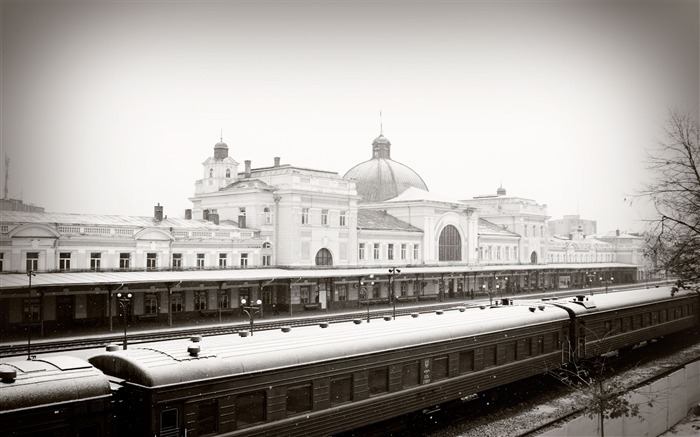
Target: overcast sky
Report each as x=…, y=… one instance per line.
x=111, y=107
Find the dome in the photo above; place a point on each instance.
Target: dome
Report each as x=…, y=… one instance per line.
x=220, y=150
x=382, y=178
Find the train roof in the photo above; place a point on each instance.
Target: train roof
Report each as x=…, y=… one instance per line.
x=32, y=383
x=169, y=362
x=621, y=299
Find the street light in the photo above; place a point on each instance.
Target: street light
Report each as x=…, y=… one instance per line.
x=489, y=293
x=251, y=310
x=393, y=272
x=363, y=293
x=609, y=281
x=30, y=273
x=124, y=300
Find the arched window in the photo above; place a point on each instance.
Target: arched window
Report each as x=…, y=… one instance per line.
x=450, y=244
x=268, y=216
x=228, y=172
x=266, y=245
x=324, y=258
x=533, y=258
x=211, y=172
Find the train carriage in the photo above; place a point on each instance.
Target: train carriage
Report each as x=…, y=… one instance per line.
x=314, y=381
x=57, y=396
x=608, y=322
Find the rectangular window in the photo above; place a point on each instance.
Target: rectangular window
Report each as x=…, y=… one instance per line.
x=222, y=260
x=341, y=390
x=341, y=291
x=224, y=301
x=375, y=252
x=361, y=251
x=440, y=368
x=526, y=230
x=324, y=217
x=266, y=260
x=177, y=260
x=151, y=261
x=299, y=399
x=64, y=261
x=200, y=260
x=342, y=220
x=2, y=261
x=411, y=374
x=555, y=341
x=489, y=356
x=416, y=252
x=95, y=258
x=32, y=261
x=200, y=300
x=30, y=310
x=150, y=304
x=168, y=421
x=176, y=303
x=540, y=345
x=403, y=251
x=498, y=252
x=466, y=362
x=124, y=261
x=250, y=409
x=305, y=216
x=378, y=380
x=390, y=251
x=207, y=417
x=526, y=348
x=511, y=347
x=304, y=292
x=244, y=260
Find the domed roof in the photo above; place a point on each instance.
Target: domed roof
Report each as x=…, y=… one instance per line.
x=221, y=145
x=382, y=178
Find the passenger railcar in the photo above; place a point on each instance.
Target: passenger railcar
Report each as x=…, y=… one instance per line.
x=58, y=396
x=608, y=322
x=314, y=381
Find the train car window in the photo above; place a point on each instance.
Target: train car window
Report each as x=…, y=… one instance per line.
x=637, y=321
x=646, y=319
x=207, y=417
x=662, y=315
x=299, y=399
x=540, y=345
x=556, y=345
x=440, y=368
x=378, y=381
x=168, y=422
x=341, y=390
x=466, y=361
x=250, y=409
x=510, y=351
x=489, y=356
x=411, y=374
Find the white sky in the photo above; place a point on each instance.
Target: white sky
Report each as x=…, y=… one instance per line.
x=111, y=107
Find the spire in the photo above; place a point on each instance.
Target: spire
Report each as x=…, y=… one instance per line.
x=221, y=138
x=381, y=125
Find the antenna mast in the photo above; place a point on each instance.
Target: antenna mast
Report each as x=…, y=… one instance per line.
x=7, y=174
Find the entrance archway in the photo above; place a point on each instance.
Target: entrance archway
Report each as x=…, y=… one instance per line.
x=324, y=258
x=450, y=244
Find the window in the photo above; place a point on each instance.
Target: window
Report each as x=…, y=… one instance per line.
x=95, y=258
x=177, y=260
x=30, y=310
x=361, y=251
x=32, y=261
x=411, y=374
x=526, y=230
x=228, y=173
x=304, y=292
x=299, y=399
x=2, y=261
x=498, y=252
x=466, y=361
x=324, y=217
x=200, y=260
x=266, y=260
x=403, y=251
x=324, y=258
x=540, y=345
x=481, y=252
x=250, y=409
x=341, y=390
x=64, y=261
x=222, y=260
x=390, y=251
x=511, y=347
x=342, y=220
x=341, y=291
x=207, y=417
x=244, y=260
x=200, y=300
x=224, y=301
x=450, y=244
x=305, y=216
x=416, y=252
x=168, y=422
x=150, y=304
x=375, y=252
x=211, y=172
x=176, y=303
x=151, y=261
x=526, y=348
x=440, y=368
x=124, y=260
x=378, y=380
x=268, y=216
x=489, y=356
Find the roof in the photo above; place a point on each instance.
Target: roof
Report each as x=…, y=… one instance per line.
x=621, y=299
x=379, y=179
x=49, y=380
x=368, y=219
x=488, y=228
x=227, y=355
x=414, y=194
x=104, y=220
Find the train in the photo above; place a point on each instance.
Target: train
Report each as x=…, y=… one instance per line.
x=330, y=378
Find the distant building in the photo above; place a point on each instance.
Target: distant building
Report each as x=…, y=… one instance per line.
x=572, y=224
x=18, y=205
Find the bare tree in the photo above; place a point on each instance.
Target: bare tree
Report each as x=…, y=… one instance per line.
x=673, y=237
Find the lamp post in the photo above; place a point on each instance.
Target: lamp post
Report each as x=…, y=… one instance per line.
x=124, y=299
x=392, y=281
x=609, y=281
x=30, y=273
x=483, y=287
x=363, y=293
x=251, y=310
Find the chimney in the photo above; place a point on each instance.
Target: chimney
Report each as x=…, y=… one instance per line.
x=617, y=232
x=205, y=214
x=214, y=218
x=188, y=214
x=247, y=168
x=158, y=213
x=277, y=161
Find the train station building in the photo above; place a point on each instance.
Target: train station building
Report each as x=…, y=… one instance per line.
x=296, y=238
